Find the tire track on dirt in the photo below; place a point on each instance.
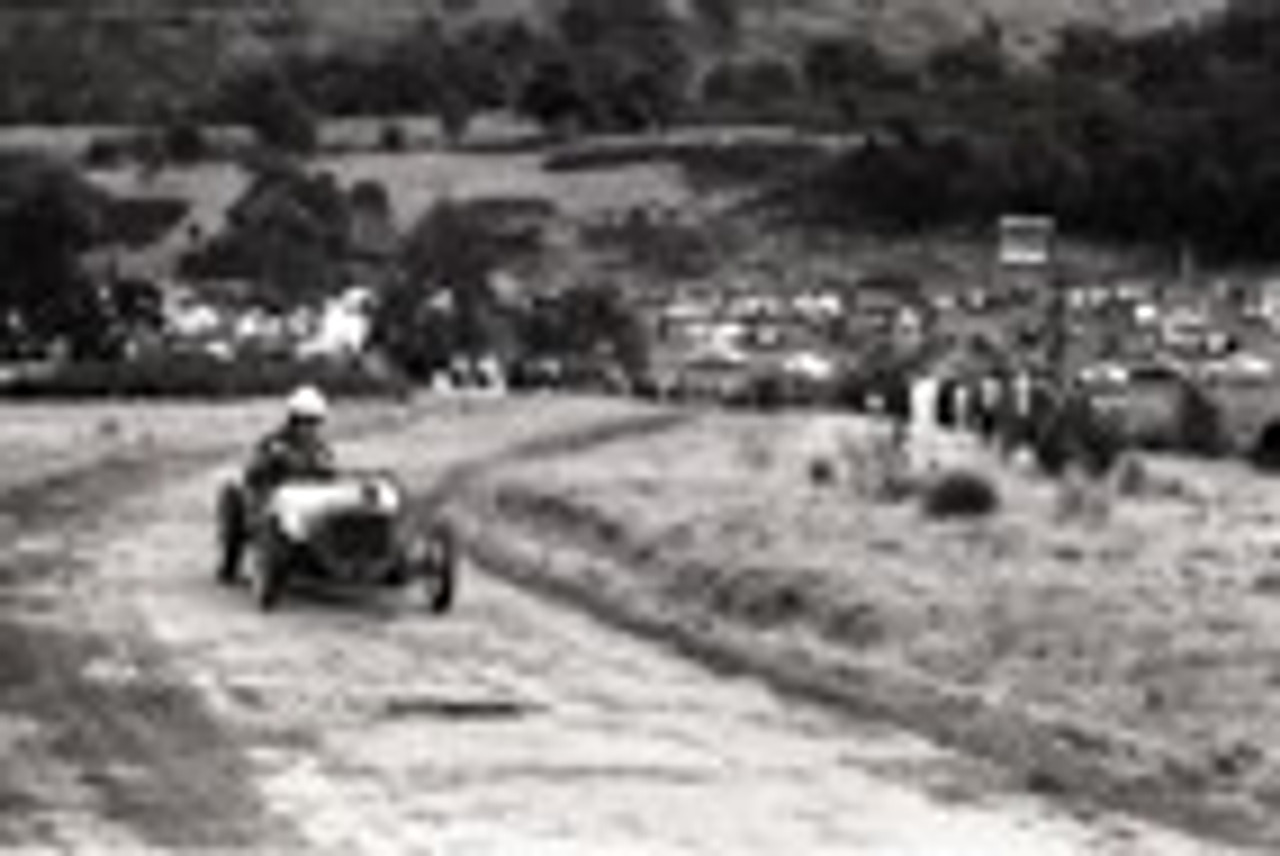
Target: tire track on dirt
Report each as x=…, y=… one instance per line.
x=111, y=751
x=107, y=748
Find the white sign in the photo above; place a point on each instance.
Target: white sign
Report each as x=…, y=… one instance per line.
x=1026, y=241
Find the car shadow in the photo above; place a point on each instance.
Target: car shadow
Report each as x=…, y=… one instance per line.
x=363, y=600
x=456, y=709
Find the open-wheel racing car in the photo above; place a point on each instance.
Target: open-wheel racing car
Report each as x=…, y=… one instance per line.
x=351, y=529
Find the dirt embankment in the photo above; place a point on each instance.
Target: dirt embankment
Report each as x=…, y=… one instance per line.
x=1121, y=659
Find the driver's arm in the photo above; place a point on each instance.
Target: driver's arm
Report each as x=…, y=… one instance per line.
x=269, y=464
x=323, y=460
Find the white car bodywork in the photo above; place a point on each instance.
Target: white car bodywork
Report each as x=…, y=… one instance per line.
x=298, y=507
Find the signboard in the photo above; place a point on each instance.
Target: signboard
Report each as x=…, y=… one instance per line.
x=1026, y=241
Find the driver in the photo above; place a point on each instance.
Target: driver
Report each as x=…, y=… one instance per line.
x=297, y=449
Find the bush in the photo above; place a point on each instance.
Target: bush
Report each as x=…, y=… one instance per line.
x=823, y=472
x=1265, y=454
x=1133, y=479
x=104, y=152
x=192, y=375
x=393, y=138
x=1077, y=432
x=961, y=494
x=184, y=142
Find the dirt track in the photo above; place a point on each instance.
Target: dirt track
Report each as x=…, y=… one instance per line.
x=146, y=708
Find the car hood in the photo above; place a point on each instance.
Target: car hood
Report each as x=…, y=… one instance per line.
x=299, y=508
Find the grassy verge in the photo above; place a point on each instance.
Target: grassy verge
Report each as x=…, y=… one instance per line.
x=1122, y=656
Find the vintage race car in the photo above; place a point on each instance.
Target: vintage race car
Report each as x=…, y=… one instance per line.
x=352, y=529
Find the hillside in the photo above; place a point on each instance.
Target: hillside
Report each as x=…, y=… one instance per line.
x=101, y=60
x=909, y=25
x=781, y=24
x=903, y=24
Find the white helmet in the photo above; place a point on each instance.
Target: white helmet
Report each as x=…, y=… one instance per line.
x=307, y=402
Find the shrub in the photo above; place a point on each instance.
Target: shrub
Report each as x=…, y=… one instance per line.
x=1078, y=433
x=961, y=494
x=1265, y=454
x=104, y=152
x=393, y=138
x=1133, y=479
x=767, y=392
x=822, y=472
x=184, y=142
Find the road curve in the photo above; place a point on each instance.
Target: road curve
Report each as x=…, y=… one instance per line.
x=515, y=726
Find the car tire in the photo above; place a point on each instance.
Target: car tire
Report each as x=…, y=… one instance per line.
x=270, y=570
x=232, y=535
x=437, y=571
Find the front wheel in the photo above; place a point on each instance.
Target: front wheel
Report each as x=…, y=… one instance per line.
x=232, y=534
x=435, y=573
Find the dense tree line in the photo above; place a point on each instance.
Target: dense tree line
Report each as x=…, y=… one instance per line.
x=49, y=300
x=292, y=239
x=1171, y=137
x=598, y=64
x=604, y=65
x=75, y=70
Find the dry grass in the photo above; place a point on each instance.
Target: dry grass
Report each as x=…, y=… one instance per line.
x=1157, y=618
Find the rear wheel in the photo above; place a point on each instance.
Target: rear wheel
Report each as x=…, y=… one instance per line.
x=270, y=570
x=232, y=534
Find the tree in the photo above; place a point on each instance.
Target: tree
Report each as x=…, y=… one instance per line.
x=414, y=326
x=372, y=196
x=1091, y=52
x=834, y=67
x=266, y=101
x=973, y=61
x=450, y=248
x=723, y=17
x=587, y=323
x=48, y=217
x=628, y=59
x=769, y=81
x=719, y=85
x=183, y=141
x=289, y=234
x=554, y=98
x=443, y=306
x=598, y=320
x=502, y=56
